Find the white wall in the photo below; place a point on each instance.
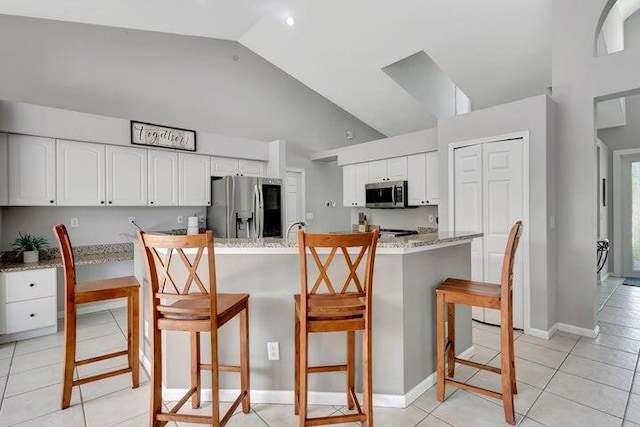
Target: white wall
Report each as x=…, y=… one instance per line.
x=627, y=136
x=604, y=159
x=535, y=115
x=579, y=78
x=214, y=86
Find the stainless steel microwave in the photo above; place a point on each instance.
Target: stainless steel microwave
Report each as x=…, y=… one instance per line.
x=386, y=195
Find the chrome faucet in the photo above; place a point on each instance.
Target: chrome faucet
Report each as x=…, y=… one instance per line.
x=300, y=225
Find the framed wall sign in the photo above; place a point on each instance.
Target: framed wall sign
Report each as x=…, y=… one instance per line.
x=162, y=136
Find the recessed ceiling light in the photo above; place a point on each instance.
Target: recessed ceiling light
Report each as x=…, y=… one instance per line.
x=290, y=21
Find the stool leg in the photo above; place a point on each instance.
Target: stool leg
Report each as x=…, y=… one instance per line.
x=351, y=365
x=440, y=344
x=134, y=336
x=156, y=377
x=215, y=380
x=514, y=387
x=506, y=335
x=296, y=363
x=69, y=353
x=244, y=359
x=367, y=375
x=196, y=378
x=304, y=355
x=451, y=336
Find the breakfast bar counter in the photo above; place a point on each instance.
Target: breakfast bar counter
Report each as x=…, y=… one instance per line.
x=407, y=270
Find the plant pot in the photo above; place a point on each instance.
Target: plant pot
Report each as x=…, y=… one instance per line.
x=30, y=256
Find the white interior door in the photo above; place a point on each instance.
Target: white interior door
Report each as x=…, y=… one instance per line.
x=468, y=206
x=631, y=216
x=503, y=205
x=293, y=191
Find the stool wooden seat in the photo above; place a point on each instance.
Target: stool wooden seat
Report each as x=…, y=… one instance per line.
x=339, y=309
x=177, y=308
x=85, y=292
x=478, y=294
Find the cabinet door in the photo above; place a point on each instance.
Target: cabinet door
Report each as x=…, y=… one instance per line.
x=433, y=168
x=223, y=166
x=194, y=180
x=126, y=176
x=417, y=180
x=349, y=185
x=251, y=168
x=163, y=178
x=362, y=178
x=32, y=171
x=4, y=169
x=80, y=173
x=397, y=169
x=378, y=171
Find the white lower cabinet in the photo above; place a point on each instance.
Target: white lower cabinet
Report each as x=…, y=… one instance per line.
x=30, y=300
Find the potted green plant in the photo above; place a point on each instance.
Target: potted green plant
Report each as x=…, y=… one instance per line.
x=30, y=246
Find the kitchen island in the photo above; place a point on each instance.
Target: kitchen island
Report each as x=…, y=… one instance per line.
x=407, y=270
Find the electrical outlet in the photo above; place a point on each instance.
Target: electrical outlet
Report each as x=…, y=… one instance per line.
x=273, y=350
x=180, y=219
x=132, y=219
x=201, y=218
x=309, y=216
x=327, y=203
x=431, y=218
x=146, y=329
x=74, y=222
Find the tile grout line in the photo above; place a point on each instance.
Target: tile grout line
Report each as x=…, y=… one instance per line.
x=4, y=389
x=633, y=377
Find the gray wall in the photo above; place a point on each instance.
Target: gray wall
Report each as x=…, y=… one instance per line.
x=579, y=78
x=197, y=83
x=536, y=116
x=632, y=30
x=628, y=136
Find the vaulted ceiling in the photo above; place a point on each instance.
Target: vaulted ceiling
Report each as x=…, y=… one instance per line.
x=496, y=51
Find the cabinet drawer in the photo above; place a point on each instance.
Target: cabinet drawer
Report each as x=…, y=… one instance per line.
x=34, y=314
x=26, y=285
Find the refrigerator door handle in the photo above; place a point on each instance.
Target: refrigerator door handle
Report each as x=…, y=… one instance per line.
x=261, y=209
x=256, y=207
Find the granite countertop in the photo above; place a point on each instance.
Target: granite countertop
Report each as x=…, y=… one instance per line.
x=413, y=241
x=84, y=255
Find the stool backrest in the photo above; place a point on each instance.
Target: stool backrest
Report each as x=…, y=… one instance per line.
x=68, y=261
x=354, y=286
x=509, y=258
x=160, y=252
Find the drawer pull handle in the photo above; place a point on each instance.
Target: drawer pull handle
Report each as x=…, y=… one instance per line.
x=32, y=315
x=31, y=285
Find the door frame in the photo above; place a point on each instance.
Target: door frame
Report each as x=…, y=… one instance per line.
x=618, y=214
x=303, y=191
x=524, y=241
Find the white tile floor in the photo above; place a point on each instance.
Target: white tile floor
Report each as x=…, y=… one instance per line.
x=566, y=381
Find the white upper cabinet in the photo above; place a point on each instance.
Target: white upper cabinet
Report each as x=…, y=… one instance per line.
x=417, y=180
x=126, y=176
x=163, y=178
x=32, y=171
x=394, y=169
x=397, y=169
x=251, y=168
x=423, y=179
x=80, y=173
x=194, y=177
x=433, y=168
x=224, y=166
x=4, y=169
x=354, y=178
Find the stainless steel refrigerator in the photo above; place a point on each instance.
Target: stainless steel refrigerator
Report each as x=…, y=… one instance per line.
x=245, y=207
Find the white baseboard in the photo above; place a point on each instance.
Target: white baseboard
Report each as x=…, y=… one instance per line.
x=564, y=327
x=314, y=397
x=19, y=336
x=101, y=306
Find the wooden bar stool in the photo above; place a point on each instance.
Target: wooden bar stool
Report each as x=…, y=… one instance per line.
x=175, y=308
x=478, y=294
x=85, y=292
x=336, y=310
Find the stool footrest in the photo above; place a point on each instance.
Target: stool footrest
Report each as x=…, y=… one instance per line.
x=335, y=419
x=102, y=357
x=182, y=401
x=326, y=368
x=221, y=368
x=479, y=365
x=101, y=376
x=473, y=388
x=173, y=415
